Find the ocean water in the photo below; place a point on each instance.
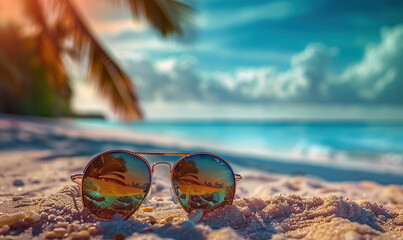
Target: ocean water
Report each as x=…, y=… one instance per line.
x=372, y=145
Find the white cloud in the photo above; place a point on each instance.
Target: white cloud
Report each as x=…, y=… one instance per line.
x=176, y=79
x=380, y=73
x=377, y=78
x=308, y=72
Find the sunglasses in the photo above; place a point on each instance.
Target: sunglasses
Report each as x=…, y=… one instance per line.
x=119, y=181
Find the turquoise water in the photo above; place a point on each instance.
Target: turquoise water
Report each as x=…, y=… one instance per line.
x=375, y=143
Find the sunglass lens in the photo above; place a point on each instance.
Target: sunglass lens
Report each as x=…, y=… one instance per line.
x=115, y=182
x=203, y=181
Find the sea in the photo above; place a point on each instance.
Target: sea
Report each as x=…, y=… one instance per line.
x=374, y=146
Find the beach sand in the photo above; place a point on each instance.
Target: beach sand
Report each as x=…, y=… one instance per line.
x=38, y=200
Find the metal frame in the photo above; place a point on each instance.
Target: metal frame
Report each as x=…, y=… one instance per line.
x=76, y=177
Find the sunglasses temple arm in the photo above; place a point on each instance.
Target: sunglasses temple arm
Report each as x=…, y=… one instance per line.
x=238, y=177
x=76, y=177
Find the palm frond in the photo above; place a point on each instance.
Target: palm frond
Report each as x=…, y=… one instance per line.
x=167, y=16
x=103, y=71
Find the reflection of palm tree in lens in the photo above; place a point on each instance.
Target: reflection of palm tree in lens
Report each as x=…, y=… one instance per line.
x=109, y=165
x=187, y=169
x=196, y=192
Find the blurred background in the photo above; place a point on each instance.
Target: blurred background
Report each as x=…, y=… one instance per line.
x=301, y=81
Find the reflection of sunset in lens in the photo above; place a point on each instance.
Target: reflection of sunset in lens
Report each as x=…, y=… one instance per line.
x=203, y=181
x=115, y=182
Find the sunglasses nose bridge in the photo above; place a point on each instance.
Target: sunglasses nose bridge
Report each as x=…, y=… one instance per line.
x=161, y=163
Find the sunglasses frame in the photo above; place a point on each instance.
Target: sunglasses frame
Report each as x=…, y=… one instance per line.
x=80, y=176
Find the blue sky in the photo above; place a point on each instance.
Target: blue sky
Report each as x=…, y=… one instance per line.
x=270, y=32
x=265, y=52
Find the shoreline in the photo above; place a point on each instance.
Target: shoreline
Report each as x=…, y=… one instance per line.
x=334, y=171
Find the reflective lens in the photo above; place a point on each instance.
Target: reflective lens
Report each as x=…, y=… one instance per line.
x=115, y=182
x=203, y=181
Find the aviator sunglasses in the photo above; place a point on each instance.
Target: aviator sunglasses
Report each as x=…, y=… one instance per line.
x=119, y=181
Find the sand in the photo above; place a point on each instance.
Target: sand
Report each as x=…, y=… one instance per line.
x=38, y=200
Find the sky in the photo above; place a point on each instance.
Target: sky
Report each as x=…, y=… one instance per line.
x=255, y=58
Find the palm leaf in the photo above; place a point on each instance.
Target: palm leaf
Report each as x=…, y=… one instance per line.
x=102, y=71
x=167, y=16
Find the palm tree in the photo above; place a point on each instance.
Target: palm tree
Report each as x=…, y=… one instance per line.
x=186, y=170
x=108, y=164
x=61, y=31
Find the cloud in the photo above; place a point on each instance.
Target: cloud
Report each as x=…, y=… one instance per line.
x=377, y=78
x=308, y=70
x=170, y=80
x=177, y=79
